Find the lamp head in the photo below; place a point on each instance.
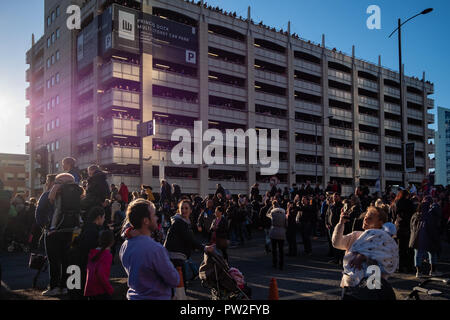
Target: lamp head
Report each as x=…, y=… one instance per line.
x=427, y=11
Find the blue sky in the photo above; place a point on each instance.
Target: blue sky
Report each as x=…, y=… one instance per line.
x=425, y=42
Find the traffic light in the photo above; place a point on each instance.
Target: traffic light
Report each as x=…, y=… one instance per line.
x=42, y=161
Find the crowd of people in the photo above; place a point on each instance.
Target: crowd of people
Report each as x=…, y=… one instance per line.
x=89, y=222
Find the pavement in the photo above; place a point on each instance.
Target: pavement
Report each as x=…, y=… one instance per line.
x=303, y=278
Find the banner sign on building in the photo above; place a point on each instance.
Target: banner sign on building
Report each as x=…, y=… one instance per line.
x=140, y=32
x=410, y=157
x=125, y=29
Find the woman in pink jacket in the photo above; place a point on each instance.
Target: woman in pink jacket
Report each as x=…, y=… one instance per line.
x=98, y=286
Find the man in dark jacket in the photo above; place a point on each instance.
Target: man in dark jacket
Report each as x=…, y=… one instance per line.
x=425, y=236
x=166, y=192
x=254, y=192
x=332, y=219
x=402, y=212
x=306, y=218
x=97, y=189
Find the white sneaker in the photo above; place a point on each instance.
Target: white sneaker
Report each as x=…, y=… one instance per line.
x=63, y=291
x=52, y=292
x=417, y=274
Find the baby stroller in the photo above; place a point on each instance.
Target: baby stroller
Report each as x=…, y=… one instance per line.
x=215, y=274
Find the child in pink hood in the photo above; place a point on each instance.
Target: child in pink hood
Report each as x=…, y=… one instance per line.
x=98, y=286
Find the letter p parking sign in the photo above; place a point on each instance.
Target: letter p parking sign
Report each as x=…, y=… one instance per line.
x=191, y=57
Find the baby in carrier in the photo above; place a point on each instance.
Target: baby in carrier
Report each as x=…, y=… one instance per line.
x=377, y=245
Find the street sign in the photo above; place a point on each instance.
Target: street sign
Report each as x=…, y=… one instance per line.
x=147, y=129
x=410, y=157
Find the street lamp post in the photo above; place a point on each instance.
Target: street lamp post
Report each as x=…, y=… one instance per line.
x=400, y=67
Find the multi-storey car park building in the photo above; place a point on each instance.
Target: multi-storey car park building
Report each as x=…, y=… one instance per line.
x=177, y=62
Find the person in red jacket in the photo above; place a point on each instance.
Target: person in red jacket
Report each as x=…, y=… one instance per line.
x=98, y=286
x=123, y=191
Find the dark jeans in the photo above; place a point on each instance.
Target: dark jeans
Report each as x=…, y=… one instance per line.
x=58, y=245
x=306, y=230
x=405, y=253
x=292, y=242
x=277, y=253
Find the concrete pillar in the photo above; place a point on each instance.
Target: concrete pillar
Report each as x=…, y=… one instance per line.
x=355, y=132
x=292, y=178
x=250, y=92
x=326, y=121
x=382, y=129
x=425, y=121
x=203, y=93
x=147, y=112
x=404, y=121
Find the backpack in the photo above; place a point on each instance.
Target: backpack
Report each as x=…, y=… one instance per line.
x=70, y=208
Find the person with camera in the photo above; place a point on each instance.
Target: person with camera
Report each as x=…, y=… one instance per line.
x=385, y=254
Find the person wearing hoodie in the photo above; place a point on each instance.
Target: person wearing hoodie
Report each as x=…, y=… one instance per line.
x=124, y=193
x=180, y=240
x=97, y=188
x=100, y=259
x=277, y=234
x=81, y=247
